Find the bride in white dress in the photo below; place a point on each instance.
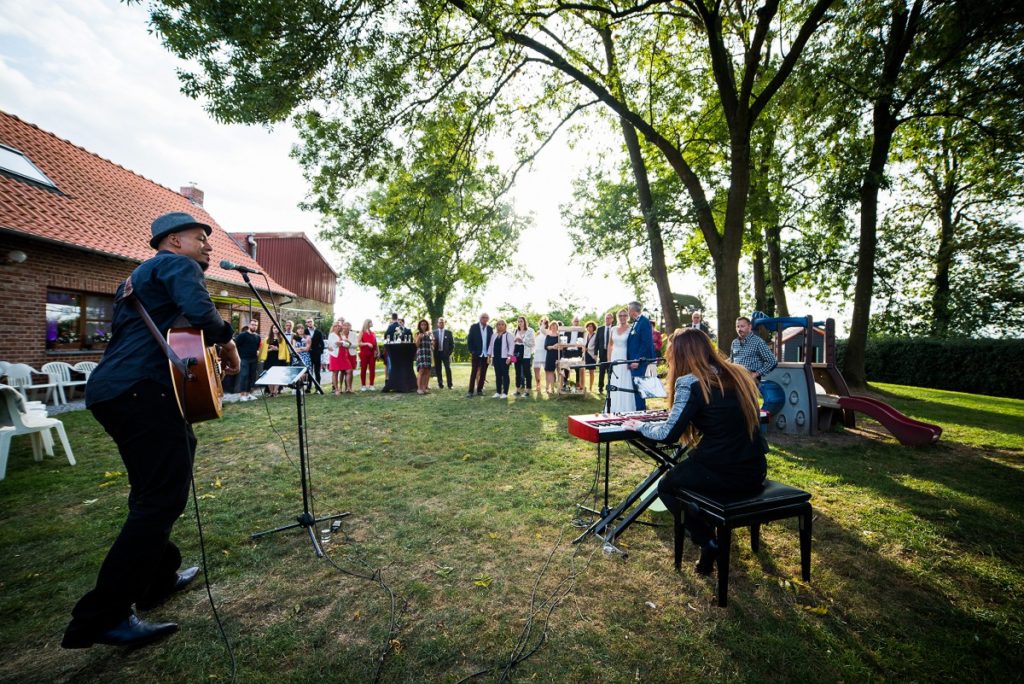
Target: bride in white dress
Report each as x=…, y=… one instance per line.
x=622, y=400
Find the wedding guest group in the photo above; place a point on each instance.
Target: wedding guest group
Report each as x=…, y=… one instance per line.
x=521, y=349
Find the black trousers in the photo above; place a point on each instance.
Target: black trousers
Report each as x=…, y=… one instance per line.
x=250, y=370
x=501, y=375
x=524, y=377
x=693, y=475
x=478, y=374
x=314, y=363
x=447, y=362
x=602, y=371
x=157, y=447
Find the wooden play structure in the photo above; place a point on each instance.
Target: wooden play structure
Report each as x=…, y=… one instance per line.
x=807, y=391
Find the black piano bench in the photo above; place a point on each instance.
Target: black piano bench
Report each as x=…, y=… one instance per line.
x=726, y=513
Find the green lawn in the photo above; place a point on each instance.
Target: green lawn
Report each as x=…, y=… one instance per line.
x=466, y=507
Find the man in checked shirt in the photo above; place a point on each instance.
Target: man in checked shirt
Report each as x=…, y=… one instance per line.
x=751, y=352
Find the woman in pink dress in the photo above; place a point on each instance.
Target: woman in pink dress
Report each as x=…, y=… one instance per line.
x=334, y=357
x=367, y=356
x=349, y=342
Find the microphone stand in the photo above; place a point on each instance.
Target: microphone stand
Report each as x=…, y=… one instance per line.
x=306, y=520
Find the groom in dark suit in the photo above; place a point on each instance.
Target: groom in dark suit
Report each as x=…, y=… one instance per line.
x=443, y=352
x=604, y=334
x=478, y=340
x=639, y=345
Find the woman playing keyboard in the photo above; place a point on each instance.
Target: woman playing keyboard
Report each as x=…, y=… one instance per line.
x=715, y=408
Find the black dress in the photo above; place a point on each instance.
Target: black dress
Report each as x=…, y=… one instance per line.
x=727, y=459
x=551, y=360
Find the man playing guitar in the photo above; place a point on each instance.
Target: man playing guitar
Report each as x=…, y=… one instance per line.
x=131, y=394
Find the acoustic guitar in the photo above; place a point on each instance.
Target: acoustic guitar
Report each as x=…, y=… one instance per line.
x=199, y=396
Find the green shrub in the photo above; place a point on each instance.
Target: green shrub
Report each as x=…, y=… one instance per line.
x=460, y=352
x=993, y=367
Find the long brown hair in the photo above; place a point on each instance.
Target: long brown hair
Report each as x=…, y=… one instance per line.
x=692, y=353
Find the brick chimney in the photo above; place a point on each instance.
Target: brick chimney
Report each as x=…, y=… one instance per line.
x=192, y=194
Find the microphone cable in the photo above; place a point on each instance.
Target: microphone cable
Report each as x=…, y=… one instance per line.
x=375, y=575
x=202, y=542
x=206, y=581
x=563, y=589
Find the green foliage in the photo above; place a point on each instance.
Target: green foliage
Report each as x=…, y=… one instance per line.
x=436, y=222
x=991, y=367
x=951, y=255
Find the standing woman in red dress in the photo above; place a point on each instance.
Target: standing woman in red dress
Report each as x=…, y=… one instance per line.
x=367, y=356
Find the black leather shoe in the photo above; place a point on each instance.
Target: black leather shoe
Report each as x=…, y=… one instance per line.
x=708, y=554
x=185, y=578
x=131, y=632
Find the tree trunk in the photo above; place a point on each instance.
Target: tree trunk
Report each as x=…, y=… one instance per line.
x=943, y=263
x=435, y=307
x=760, y=288
x=659, y=269
x=727, y=263
x=773, y=244
x=853, y=364
x=902, y=31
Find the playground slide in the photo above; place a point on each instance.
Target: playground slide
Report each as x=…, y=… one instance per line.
x=908, y=431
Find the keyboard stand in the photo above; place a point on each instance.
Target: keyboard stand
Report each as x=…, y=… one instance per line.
x=603, y=528
x=604, y=509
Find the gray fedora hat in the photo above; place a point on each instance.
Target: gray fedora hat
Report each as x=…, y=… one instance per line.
x=172, y=223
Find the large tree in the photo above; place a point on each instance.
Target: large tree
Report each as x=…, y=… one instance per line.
x=952, y=254
x=367, y=66
x=435, y=225
x=889, y=60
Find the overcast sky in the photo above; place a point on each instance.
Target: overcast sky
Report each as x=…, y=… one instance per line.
x=90, y=72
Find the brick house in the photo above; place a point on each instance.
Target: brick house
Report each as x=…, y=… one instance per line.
x=72, y=226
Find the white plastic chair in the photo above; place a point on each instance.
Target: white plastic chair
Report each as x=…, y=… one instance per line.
x=19, y=376
x=60, y=373
x=85, y=368
x=16, y=420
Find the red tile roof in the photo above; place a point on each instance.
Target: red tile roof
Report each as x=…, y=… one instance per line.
x=101, y=207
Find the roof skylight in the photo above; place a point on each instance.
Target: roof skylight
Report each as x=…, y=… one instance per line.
x=13, y=161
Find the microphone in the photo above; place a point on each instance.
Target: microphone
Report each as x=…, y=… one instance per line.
x=228, y=266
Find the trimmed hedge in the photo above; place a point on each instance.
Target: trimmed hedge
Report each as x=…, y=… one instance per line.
x=993, y=367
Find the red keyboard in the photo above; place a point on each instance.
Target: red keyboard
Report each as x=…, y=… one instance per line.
x=603, y=427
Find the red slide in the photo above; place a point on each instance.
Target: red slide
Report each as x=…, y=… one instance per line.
x=908, y=431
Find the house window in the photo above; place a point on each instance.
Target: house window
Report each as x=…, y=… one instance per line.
x=14, y=162
x=76, y=320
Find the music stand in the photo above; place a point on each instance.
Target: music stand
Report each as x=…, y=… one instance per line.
x=294, y=377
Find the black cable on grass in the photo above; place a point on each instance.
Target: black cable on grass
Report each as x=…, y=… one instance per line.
x=561, y=591
x=376, y=575
x=206, y=581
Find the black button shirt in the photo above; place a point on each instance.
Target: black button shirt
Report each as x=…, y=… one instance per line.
x=172, y=289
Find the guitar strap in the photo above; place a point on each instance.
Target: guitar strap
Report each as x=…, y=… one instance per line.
x=128, y=294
